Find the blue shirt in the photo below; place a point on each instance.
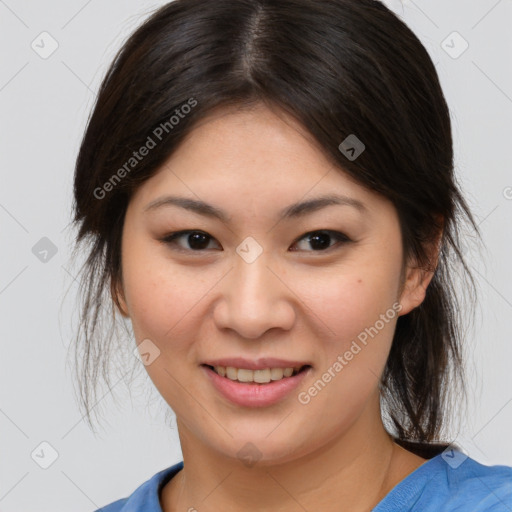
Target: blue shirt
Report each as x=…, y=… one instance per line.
x=450, y=481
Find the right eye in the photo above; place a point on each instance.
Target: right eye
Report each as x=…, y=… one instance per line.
x=197, y=240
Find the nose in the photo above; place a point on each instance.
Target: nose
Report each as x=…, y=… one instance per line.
x=254, y=299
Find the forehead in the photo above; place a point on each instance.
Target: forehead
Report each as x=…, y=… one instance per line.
x=260, y=141
x=251, y=159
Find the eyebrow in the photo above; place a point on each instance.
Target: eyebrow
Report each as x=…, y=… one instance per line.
x=293, y=211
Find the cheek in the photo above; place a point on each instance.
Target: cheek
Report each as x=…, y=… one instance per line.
x=347, y=300
x=160, y=295
x=358, y=309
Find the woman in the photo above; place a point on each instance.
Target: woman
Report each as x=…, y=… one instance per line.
x=267, y=188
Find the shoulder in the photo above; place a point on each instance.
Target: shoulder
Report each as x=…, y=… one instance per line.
x=461, y=482
x=485, y=488
x=146, y=496
x=452, y=481
x=114, y=506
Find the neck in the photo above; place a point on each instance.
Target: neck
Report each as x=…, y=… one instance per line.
x=356, y=469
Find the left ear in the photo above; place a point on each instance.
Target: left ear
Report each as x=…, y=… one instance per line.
x=417, y=278
x=117, y=293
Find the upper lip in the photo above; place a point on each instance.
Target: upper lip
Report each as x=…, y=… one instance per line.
x=258, y=364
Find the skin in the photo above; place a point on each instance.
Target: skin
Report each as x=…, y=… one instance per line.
x=306, y=304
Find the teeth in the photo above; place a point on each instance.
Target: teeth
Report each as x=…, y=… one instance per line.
x=258, y=376
x=276, y=373
x=231, y=373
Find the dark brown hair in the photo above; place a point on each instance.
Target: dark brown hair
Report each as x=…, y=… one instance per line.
x=339, y=67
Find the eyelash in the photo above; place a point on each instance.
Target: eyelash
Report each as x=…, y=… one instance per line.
x=171, y=238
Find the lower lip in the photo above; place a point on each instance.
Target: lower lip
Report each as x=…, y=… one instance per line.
x=255, y=395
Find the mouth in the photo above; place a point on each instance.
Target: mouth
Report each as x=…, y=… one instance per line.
x=262, y=376
x=261, y=387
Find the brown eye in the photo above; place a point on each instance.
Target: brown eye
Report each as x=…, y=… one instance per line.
x=190, y=240
x=320, y=241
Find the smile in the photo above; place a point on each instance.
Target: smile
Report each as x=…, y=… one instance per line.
x=240, y=386
x=263, y=376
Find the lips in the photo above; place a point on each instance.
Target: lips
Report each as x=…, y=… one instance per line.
x=253, y=394
x=258, y=364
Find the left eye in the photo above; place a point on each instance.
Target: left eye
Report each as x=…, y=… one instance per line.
x=198, y=241
x=320, y=240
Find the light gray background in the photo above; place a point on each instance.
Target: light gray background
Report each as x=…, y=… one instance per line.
x=44, y=104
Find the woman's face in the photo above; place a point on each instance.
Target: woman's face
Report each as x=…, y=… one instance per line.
x=260, y=277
